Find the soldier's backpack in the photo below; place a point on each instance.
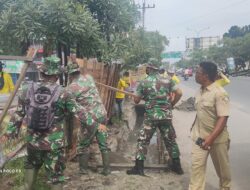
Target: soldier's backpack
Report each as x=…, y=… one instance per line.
x=1, y=81
x=40, y=109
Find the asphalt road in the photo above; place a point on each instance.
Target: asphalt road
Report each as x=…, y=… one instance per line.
x=238, y=125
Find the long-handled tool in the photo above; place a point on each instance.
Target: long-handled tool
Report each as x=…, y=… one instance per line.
x=116, y=89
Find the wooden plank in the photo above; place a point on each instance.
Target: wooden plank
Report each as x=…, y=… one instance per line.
x=109, y=94
x=101, y=77
x=129, y=166
x=19, y=58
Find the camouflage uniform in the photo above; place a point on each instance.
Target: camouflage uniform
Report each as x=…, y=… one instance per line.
x=43, y=147
x=92, y=116
x=90, y=111
x=156, y=90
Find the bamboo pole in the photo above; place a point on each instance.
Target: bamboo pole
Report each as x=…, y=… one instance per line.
x=116, y=89
x=19, y=58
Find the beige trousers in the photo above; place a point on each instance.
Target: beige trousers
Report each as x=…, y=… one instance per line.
x=219, y=155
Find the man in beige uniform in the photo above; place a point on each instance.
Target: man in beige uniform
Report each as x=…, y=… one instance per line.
x=212, y=104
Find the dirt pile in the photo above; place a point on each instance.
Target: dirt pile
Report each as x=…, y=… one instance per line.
x=187, y=105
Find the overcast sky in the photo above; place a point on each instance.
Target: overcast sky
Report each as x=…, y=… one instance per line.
x=177, y=19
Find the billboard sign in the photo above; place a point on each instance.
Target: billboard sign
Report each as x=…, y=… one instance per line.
x=172, y=55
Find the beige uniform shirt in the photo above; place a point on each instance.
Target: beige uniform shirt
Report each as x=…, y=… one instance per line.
x=211, y=103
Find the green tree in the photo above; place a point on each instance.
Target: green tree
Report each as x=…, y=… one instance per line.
x=238, y=47
x=184, y=63
x=114, y=16
x=66, y=23
x=245, y=48
x=136, y=47
x=53, y=23
x=92, y=28
x=19, y=25
x=236, y=31
x=156, y=42
x=217, y=54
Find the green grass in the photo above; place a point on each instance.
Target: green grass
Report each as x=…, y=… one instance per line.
x=17, y=179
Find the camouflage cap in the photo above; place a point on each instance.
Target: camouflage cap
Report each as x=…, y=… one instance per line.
x=72, y=67
x=51, y=66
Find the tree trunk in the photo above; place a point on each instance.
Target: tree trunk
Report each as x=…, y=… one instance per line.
x=59, y=54
x=78, y=53
x=66, y=50
x=48, y=48
x=24, y=47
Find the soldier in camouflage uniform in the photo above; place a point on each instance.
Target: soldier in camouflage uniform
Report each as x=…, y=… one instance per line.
x=156, y=90
x=43, y=147
x=91, y=114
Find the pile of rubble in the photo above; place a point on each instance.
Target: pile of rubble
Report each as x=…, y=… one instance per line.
x=187, y=105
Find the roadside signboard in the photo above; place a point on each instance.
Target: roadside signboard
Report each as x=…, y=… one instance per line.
x=12, y=66
x=172, y=55
x=230, y=64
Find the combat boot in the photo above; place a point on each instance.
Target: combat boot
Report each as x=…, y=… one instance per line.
x=106, y=165
x=58, y=186
x=83, y=163
x=176, y=166
x=30, y=178
x=138, y=169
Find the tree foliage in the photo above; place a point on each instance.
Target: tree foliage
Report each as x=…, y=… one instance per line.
x=50, y=22
x=114, y=16
x=136, y=47
x=236, y=31
x=92, y=28
x=18, y=25
x=143, y=46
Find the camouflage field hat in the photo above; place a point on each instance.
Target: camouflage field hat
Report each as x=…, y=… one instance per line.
x=51, y=66
x=72, y=67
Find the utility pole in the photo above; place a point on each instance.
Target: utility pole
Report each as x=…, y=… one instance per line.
x=144, y=7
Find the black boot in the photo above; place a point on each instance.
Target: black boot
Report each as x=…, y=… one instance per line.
x=176, y=166
x=138, y=169
x=106, y=166
x=83, y=163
